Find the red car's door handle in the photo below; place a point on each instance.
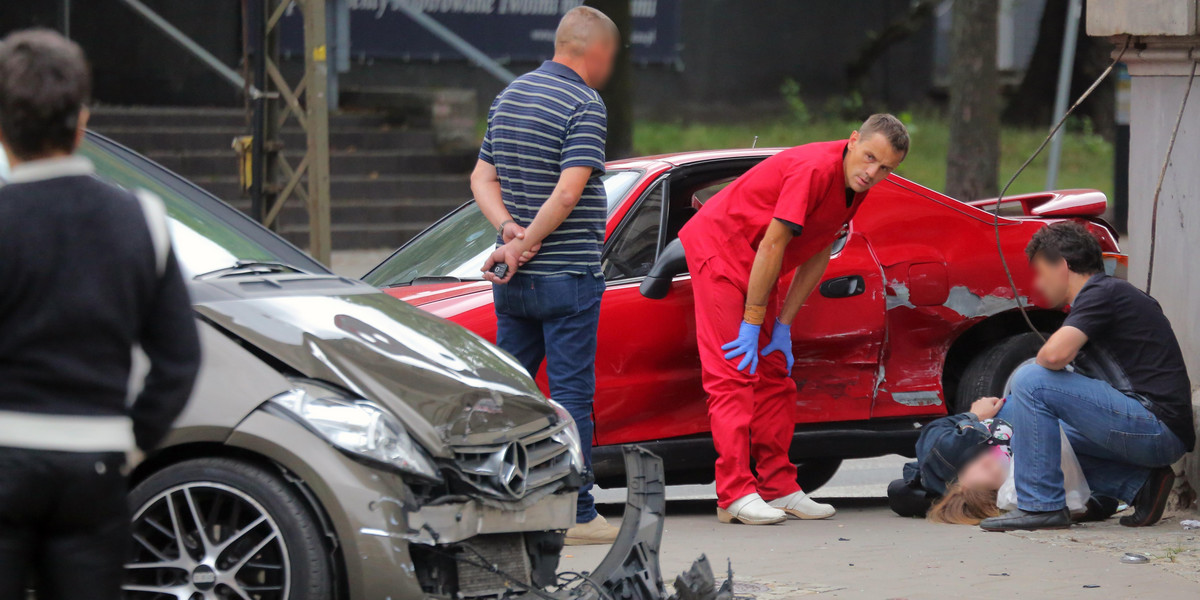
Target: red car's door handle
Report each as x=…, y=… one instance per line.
x=843, y=287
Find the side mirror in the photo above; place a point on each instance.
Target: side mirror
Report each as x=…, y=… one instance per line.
x=669, y=264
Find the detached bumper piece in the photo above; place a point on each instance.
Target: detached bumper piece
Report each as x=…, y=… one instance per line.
x=630, y=570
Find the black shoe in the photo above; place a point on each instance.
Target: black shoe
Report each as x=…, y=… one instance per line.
x=1016, y=520
x=1151, y=499
x=1099, y=508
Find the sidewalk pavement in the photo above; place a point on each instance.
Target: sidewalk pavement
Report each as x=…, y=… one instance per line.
x=866, y=551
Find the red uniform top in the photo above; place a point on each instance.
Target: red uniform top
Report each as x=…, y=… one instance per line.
x=804, y=186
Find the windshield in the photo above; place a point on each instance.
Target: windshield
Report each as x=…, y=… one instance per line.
x=203, y=241
x=457, y=246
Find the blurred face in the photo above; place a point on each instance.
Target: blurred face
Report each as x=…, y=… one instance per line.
x=598, y=58
x=869, y=160
x=986, y=472
x=1051, y=279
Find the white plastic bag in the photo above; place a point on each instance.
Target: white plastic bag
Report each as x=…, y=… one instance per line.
x=1076, y=485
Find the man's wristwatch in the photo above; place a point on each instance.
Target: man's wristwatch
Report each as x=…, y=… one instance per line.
x=503, y=223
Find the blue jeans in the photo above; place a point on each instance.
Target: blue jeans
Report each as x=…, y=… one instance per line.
x=1116, y=439
x=555, y=318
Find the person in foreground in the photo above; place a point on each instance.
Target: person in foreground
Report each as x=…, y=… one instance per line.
x=86, y=275
x=778, y=220
x=1126, y=435
x=538, y=181
x=964, y=472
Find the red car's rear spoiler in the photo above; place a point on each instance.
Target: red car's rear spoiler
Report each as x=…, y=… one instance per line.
x=1058, y=203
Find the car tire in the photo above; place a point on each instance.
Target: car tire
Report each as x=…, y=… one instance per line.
x=812, y=474
x=988, y=373
x=260, y=533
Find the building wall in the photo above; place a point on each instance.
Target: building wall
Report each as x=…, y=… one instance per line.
x=733, y=54
x=1157, y=93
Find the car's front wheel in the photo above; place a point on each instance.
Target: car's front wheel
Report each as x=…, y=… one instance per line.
x=989, y=373
x=223, y=528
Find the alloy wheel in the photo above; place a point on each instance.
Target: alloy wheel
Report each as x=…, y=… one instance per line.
x=206, y=541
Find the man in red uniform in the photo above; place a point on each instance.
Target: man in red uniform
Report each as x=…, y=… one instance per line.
x=781, y=216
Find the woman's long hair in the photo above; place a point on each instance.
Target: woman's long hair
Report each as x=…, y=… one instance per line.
x=964, y=506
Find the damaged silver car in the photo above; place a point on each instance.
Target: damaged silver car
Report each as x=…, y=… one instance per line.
x=341, y=444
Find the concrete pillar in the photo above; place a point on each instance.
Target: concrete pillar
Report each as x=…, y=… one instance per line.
x=1164, y=48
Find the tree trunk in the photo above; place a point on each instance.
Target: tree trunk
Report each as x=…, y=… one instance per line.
x=1033, y=103
x=973, y=161
x=618, y=94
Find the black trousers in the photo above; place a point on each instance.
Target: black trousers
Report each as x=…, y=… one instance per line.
x=64, y=524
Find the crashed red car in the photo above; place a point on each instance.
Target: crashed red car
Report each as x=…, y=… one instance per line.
x=913, y=318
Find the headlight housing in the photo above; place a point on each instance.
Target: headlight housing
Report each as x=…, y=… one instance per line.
x=569, y=436
x=356, y=426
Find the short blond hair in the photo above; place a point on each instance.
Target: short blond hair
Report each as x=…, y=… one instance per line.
x=581, y=27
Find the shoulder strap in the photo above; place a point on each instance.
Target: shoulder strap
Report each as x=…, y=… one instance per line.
x=156, y=220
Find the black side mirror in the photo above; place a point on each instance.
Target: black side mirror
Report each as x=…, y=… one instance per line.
x=669, y=264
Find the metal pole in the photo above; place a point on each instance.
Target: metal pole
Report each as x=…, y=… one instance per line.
x=191, y=46
x=316, y=71
x=1065, y=66
x=256, y=23
x=66, y=20
x=472, y=53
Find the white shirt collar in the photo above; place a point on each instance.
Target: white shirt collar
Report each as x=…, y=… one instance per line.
x=50, y=168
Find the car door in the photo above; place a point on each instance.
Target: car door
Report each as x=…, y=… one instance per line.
x=838, y=336
x=647, y=367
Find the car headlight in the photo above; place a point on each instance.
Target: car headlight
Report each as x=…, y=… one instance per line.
x=356, y=426
x=569, y=436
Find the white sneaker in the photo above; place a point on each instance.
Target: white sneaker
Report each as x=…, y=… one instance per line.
x=799, y=506
x=750, y=510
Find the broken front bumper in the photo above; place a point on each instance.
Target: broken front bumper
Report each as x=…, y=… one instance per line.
x=393, y=547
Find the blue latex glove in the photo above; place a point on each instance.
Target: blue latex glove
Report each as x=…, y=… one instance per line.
x=746, y=346
x=781, y=341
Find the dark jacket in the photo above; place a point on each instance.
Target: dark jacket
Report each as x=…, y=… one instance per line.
x=945, y=446
x=81, y=284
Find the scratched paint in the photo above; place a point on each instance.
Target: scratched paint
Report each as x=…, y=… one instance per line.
x=969, y=304
x=960, y=300
x=897, y=295
x=918, y=398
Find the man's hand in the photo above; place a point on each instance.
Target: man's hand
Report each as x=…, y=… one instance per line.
x=987, y=408
x=509, y=254
x=511, y=231
x=746, y=346
x=781, y=341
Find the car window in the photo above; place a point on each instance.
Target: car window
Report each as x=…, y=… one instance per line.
x=634, y=246
x=457, y=246
x=203, y=241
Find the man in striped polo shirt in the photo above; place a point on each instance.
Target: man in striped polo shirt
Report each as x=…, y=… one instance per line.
x=538, y=182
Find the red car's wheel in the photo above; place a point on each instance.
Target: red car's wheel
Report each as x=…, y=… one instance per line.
x=988, y=373
x=812, y=474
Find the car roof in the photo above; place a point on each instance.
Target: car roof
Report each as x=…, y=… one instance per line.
x=678, y=159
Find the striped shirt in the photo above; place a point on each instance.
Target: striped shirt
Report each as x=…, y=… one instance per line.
x=543, y=122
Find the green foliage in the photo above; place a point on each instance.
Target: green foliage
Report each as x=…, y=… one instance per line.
x=790, y=90
x=1087, y=159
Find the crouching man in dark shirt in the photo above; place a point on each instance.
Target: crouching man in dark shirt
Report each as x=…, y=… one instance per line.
x=86, y=274
x=1126, y=433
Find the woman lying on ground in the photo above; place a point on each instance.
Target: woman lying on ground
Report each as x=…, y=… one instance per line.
x=964, y=468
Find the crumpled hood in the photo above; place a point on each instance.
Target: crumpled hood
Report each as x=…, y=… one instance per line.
x=447, y=385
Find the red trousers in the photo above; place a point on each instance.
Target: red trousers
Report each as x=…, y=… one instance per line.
x=751, y=416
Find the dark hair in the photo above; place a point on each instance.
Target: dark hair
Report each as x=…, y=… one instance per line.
x=888, y=126
x=44, y=83
x=1067, y=240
